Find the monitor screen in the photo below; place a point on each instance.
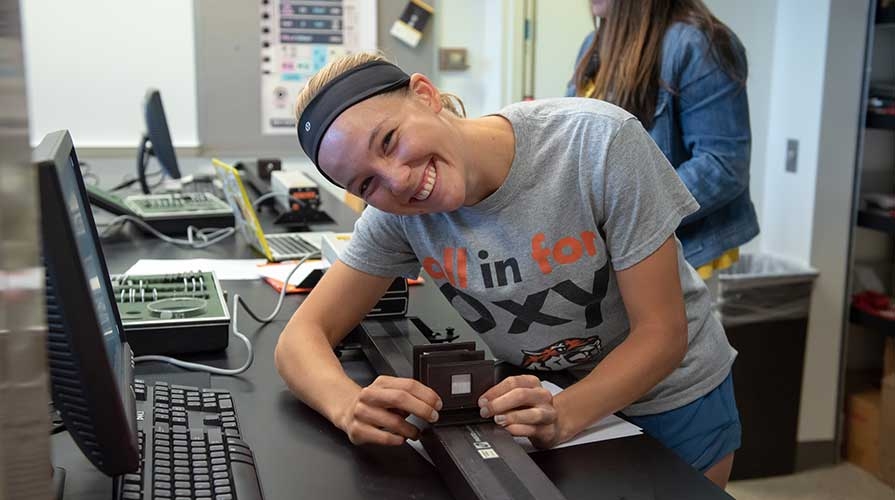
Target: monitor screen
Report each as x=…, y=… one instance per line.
x=94, y=268
x=158, y=134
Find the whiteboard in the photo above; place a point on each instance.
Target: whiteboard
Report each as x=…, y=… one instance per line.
x=89, y=62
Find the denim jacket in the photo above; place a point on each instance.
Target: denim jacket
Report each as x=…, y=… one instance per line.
x=703, y=129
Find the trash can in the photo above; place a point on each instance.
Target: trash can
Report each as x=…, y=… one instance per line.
x=763, y=302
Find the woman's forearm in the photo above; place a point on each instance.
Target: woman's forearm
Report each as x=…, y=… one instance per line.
x=643, y=360
x=306, y=361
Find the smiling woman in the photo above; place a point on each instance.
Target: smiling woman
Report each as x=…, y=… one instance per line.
x=597, y=287
x=400, y=164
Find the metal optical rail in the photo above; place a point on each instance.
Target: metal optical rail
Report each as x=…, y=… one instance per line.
x=477, y=459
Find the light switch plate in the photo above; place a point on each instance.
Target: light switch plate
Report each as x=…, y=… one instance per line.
x=452, y=59
x=792, y=155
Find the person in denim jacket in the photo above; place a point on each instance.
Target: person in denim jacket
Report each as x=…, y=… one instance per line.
x=682, y=72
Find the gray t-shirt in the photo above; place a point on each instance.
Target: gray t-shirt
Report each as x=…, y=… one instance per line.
x=531, y=268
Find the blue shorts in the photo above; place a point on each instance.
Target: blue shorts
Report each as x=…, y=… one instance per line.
x=702, y=432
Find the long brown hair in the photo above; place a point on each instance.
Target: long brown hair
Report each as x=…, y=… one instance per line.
x=624, y=59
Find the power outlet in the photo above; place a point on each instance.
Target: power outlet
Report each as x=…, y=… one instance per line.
x=792, y=155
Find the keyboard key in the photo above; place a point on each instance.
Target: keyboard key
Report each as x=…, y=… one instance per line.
x=239, y=457
x=238, y=442
x=245, y=482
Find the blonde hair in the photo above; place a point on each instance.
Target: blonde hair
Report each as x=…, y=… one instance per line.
x=342, y=64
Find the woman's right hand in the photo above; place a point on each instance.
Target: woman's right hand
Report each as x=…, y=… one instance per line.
x=378, y=412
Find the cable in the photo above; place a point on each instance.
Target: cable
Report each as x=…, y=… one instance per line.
x=144, y=151
x=267, y=196
x=130, y=181
x=237, y=300
x=196, y=238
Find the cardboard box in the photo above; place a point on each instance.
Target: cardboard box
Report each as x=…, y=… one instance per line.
x=887, y=415
x=862, y=446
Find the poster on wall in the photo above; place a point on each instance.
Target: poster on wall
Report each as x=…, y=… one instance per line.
x=298, y=37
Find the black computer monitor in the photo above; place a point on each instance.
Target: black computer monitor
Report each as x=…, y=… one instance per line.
x=91, y=364
x=156, y=141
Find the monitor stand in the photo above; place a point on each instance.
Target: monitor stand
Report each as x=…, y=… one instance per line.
x=144, y=153
x=58, y=475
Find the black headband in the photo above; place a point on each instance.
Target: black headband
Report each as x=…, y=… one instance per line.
x=346, y=90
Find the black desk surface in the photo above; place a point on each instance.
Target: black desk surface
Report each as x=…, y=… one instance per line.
x=299, y=454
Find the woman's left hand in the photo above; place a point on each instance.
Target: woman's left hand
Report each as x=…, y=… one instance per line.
x=525, y=408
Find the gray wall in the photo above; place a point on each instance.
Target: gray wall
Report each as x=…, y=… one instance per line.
x=228, y=89
x=833, y=216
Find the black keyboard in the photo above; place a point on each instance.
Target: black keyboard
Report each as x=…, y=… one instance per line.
x=191, y=447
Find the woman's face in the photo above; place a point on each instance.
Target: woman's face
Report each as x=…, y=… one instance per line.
x=599, y=8
x=397, y=152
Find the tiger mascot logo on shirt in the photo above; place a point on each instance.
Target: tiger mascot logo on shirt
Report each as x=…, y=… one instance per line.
x=572, y=351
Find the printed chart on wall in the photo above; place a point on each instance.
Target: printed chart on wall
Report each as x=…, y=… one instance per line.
x=298, y=37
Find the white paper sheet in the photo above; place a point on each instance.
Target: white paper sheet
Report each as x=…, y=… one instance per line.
x=608, y=428
x=225, y=269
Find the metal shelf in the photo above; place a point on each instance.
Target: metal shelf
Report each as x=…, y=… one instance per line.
x=876, y=323
x=880, y=121
x=878, y=220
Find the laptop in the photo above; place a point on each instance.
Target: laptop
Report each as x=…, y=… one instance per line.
x=277, y=247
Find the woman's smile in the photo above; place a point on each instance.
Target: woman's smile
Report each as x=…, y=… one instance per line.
x=427, y=183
